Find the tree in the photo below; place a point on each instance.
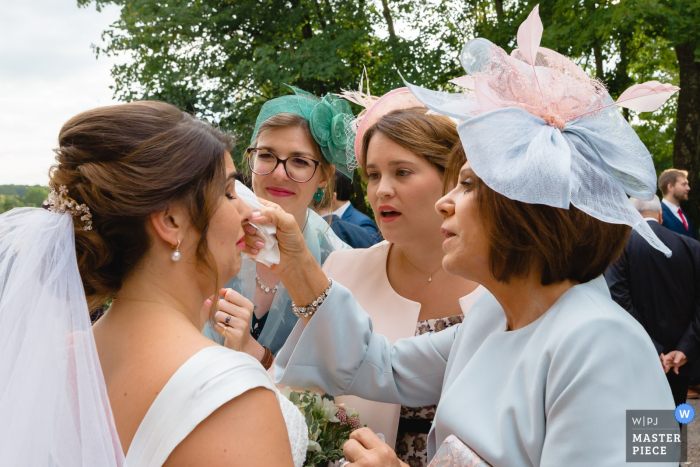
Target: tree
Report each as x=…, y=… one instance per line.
x=222, y=59
x=6, y=206
x=675, y=26
x=35, y=196
x=621, y=43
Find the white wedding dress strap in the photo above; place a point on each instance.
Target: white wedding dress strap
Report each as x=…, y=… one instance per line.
x=205, y=382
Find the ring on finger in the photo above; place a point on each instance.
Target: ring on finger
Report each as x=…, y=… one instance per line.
x=228, y=318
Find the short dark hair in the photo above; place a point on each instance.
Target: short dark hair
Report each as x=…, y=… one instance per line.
x=343, y=187
x=568, y=243
x=670, y=177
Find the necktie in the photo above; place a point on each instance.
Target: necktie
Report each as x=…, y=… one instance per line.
x=680, y=213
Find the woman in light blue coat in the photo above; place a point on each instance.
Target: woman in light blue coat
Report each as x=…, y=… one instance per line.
x=545, y=366
x=540, y=373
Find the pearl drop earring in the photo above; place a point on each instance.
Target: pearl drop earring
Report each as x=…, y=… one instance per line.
x=176, y=254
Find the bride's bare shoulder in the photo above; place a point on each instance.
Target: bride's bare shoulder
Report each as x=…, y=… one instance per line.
x=249, y=430
x=137, y=362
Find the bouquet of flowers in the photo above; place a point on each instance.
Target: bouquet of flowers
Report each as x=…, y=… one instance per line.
x=330, y=425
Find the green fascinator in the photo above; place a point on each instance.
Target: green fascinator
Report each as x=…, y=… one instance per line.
x=330, y=120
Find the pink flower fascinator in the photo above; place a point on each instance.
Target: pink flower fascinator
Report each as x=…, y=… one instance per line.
x=375, y=108
x=537, y=129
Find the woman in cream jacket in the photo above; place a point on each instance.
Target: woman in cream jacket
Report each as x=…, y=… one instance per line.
x=400, y=282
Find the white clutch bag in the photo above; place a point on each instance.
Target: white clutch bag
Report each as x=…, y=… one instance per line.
x=454, y=453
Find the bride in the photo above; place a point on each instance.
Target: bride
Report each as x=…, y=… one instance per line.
x=143, y=196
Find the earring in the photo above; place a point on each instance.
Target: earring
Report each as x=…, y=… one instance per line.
x=176, y=254
x=318, y=197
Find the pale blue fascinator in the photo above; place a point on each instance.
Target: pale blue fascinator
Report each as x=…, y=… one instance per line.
x=536, y=129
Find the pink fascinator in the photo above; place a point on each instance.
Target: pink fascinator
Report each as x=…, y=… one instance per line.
x=537, y=129
x=375, y=108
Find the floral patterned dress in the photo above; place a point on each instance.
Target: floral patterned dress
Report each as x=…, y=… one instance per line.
x=412, y=447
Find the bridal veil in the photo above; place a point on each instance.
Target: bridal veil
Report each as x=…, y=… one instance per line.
x=54, y=409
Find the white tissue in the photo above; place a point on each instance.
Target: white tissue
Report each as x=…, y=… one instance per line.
x=270, y=253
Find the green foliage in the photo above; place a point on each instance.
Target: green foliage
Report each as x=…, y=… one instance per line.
x=14, y=196
x=329, y=425
x=620, y=42
x=221, y=59
x=656, y=132
x=17, y=190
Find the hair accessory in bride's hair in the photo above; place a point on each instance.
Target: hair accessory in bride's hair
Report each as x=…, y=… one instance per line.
x=536, y=129
x=375, y=108
x=60, y=203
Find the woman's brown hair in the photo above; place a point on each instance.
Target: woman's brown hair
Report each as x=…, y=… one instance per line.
x=432, y=137
x=289, y=120
x=126, y=162
x=566, y=243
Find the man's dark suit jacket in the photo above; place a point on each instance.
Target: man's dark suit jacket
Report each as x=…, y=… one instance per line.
x=671, y=222
x=353, y=235
x=663, y=294
x=354, y=216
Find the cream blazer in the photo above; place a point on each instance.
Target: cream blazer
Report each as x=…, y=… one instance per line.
x=363, y=272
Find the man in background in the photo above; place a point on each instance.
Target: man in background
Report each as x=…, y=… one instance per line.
x=663, y=294
x=351, y=233
x=674, y=187
x=346, y=211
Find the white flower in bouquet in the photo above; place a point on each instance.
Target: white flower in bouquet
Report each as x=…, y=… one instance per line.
x=328, y=408
x=329, y=425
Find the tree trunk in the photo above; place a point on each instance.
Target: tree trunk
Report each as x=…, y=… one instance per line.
x=330, y=11
x=389, y=21
x=306, y=30
x=686, y=144
x=499, y=11
x=320, y=15
x=598, y=55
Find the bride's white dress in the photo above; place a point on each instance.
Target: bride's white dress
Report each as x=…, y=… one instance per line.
x=205, y=382
x=54, y=408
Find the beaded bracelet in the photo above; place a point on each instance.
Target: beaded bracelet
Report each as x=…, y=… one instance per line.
x=309, y=310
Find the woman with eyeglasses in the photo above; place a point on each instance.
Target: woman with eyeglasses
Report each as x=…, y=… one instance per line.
x=298, y=142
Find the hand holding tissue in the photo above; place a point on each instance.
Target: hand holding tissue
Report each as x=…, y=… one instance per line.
x=270, y=253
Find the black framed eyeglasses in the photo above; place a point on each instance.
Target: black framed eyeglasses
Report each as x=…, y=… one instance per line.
x=298, y=168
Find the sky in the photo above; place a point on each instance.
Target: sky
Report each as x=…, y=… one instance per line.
x=48, y=73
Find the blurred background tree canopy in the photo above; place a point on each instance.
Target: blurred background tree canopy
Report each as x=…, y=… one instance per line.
x=221, y=59
x=14, y=196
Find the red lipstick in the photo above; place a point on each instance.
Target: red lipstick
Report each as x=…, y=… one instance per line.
x=279, y=192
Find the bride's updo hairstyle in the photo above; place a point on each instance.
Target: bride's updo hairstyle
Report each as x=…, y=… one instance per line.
x=126, y=162
x=430, y=136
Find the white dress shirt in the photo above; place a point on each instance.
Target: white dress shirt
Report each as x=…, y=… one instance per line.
x=674, y=209
x=341, y=210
